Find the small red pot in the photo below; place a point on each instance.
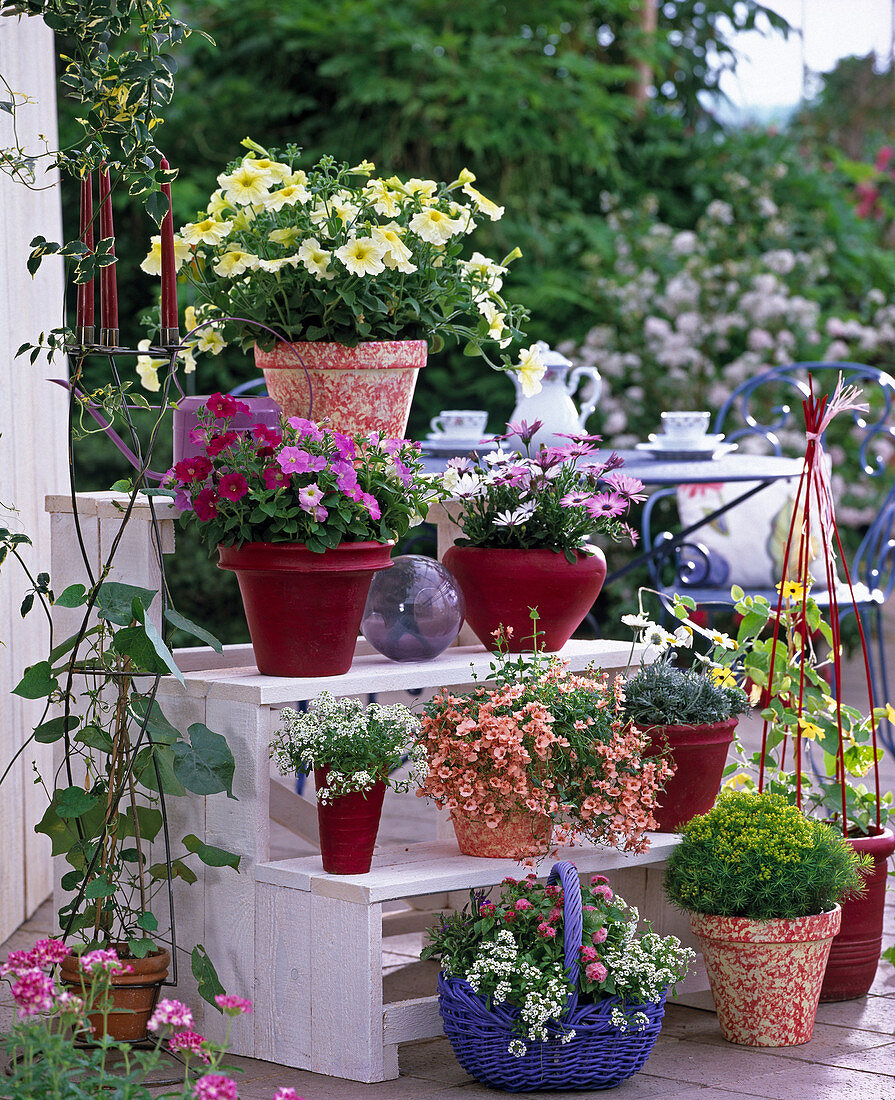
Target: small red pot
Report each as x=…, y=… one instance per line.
x=133, y=994
x=500, y=586
x=699, y=754
x=348, y=827
x=304, y=609
x=856, y=949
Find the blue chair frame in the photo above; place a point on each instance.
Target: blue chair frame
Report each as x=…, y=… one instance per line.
x=743, y=418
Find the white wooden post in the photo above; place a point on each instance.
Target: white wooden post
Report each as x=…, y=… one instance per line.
x=32, y=452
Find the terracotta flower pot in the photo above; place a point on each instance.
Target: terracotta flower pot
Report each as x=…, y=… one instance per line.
x=304, y=609
x=362, y=389
x=766, y=976
x=348, y=827
x=699, y=754
x=518, y=835
x=500, y=586
x=856, y=949
x=134, y=994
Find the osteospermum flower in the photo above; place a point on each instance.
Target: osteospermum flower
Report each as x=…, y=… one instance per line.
x=362, y=256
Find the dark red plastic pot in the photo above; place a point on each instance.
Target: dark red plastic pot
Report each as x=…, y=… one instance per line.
x=855, y=951
x=304, y=609
x=500, y=586
x=699, y=754
x=348, y=827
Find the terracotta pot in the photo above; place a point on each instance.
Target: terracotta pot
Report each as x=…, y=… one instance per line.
x=766, y=976
x=856, y=949
x=500, y=586
x=133, y=995
x=362, y=389
x=304, y=609
x=518, y=835
x=699, y=754
x=348, y=827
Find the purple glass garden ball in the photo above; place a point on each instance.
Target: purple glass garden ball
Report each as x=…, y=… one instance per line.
x=414, y=610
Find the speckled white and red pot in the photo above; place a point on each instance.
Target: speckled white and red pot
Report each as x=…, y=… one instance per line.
x=362, y=389
x=766, y=976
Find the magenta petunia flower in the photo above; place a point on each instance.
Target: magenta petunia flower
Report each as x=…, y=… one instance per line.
x=192, y=469
x=274, y=478
x=206, y=504
x=233, y=486
x=270, y=437
x=372, y=506
x=222, y=406
x=220, y=443
x=294, y=460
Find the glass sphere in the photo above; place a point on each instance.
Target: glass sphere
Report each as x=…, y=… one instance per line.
x=414, y=610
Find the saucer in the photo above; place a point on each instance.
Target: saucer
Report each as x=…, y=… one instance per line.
x=686, y=443
x=710, y=446
x=439, y=444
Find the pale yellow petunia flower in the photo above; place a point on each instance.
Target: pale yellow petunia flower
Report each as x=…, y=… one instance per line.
x=530, y=370
x=211, y=341
x=396, y=255
x=488, y=208
x=434, y=226
x=209, y=231
x=287, y=236
x=362, y=256
x=315, y=258
x=246, y=185
x=234, y=262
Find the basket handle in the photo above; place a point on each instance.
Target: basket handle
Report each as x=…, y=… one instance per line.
x=573, y=921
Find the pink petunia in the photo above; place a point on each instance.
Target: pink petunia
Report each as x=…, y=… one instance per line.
x=222, y=406
x=294, y=460
x=233, y=486
x=305, y=429
x=310, y=496
x=205, y=504
x=372, y=505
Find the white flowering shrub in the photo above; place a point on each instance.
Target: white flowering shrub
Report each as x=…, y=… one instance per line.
x=359, y=744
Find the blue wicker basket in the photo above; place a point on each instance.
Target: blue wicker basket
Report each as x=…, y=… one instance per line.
x=599, y=1057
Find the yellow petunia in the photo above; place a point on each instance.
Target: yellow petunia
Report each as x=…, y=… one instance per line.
x=362, y=256
x=152, y=265
x=315, y=258
x=211, y=341
x=148, y=368
x=530, y=370
x=488, y=208
x=246, y=185
x=287, y=236
x=385, y=201
x=217, y=204
x=434, y=226
x=234, y=262
x=287, y=196
x=397, y=255
x=496, y=322
x=209, y=231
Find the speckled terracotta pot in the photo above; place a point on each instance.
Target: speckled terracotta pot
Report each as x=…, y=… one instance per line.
x=518, y=835
x=363, y=389
x=766, y=976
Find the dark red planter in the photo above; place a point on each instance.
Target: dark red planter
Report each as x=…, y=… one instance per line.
x=699, y=754
x=304, y=609
x=500, y=586
x=855, y=951
x=348, y=828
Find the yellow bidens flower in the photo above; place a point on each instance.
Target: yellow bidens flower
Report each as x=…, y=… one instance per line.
x=362, y=256
x=434, y=226
x=234, y=262
x=246, y=185
x=723, y=677
x=530, y=370
x=809, y=729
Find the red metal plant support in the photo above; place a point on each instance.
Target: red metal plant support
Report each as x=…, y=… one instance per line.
x=814, y=497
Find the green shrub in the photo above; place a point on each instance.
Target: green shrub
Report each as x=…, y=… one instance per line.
x=661, y=694
x=753, y=855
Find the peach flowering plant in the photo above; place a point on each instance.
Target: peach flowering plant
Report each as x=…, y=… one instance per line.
x=510, y=950
x=540, y=740
x=55, y=1054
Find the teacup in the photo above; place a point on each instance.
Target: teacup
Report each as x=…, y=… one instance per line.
x=460, y=423
x=685, y=426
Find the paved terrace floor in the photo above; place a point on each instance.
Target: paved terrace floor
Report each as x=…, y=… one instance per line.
x=850, y=1057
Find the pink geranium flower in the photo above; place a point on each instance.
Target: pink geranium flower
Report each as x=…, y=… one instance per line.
x=33, y=992
x=596, y=971
x=189, y=1042
x=170, y=1013
x=215, y=1087
x=232, y=1005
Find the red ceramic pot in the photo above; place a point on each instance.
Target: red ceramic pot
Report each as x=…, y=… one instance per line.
x=348, y=827
x=699, y=754
x=765, y=975
x=500, y=586
x=856, y=950
x=519, y=835
x=304, y=609
x=362, y=389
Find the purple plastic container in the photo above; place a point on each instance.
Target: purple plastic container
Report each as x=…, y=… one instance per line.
x=262, y=410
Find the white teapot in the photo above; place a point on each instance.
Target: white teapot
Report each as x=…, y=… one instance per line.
x=553, y=405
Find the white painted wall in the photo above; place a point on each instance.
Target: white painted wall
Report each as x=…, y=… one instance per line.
x=32, y=455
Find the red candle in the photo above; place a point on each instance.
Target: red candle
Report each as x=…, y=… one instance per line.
x=85, y=315
x=108, y=284
x=170, y=328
